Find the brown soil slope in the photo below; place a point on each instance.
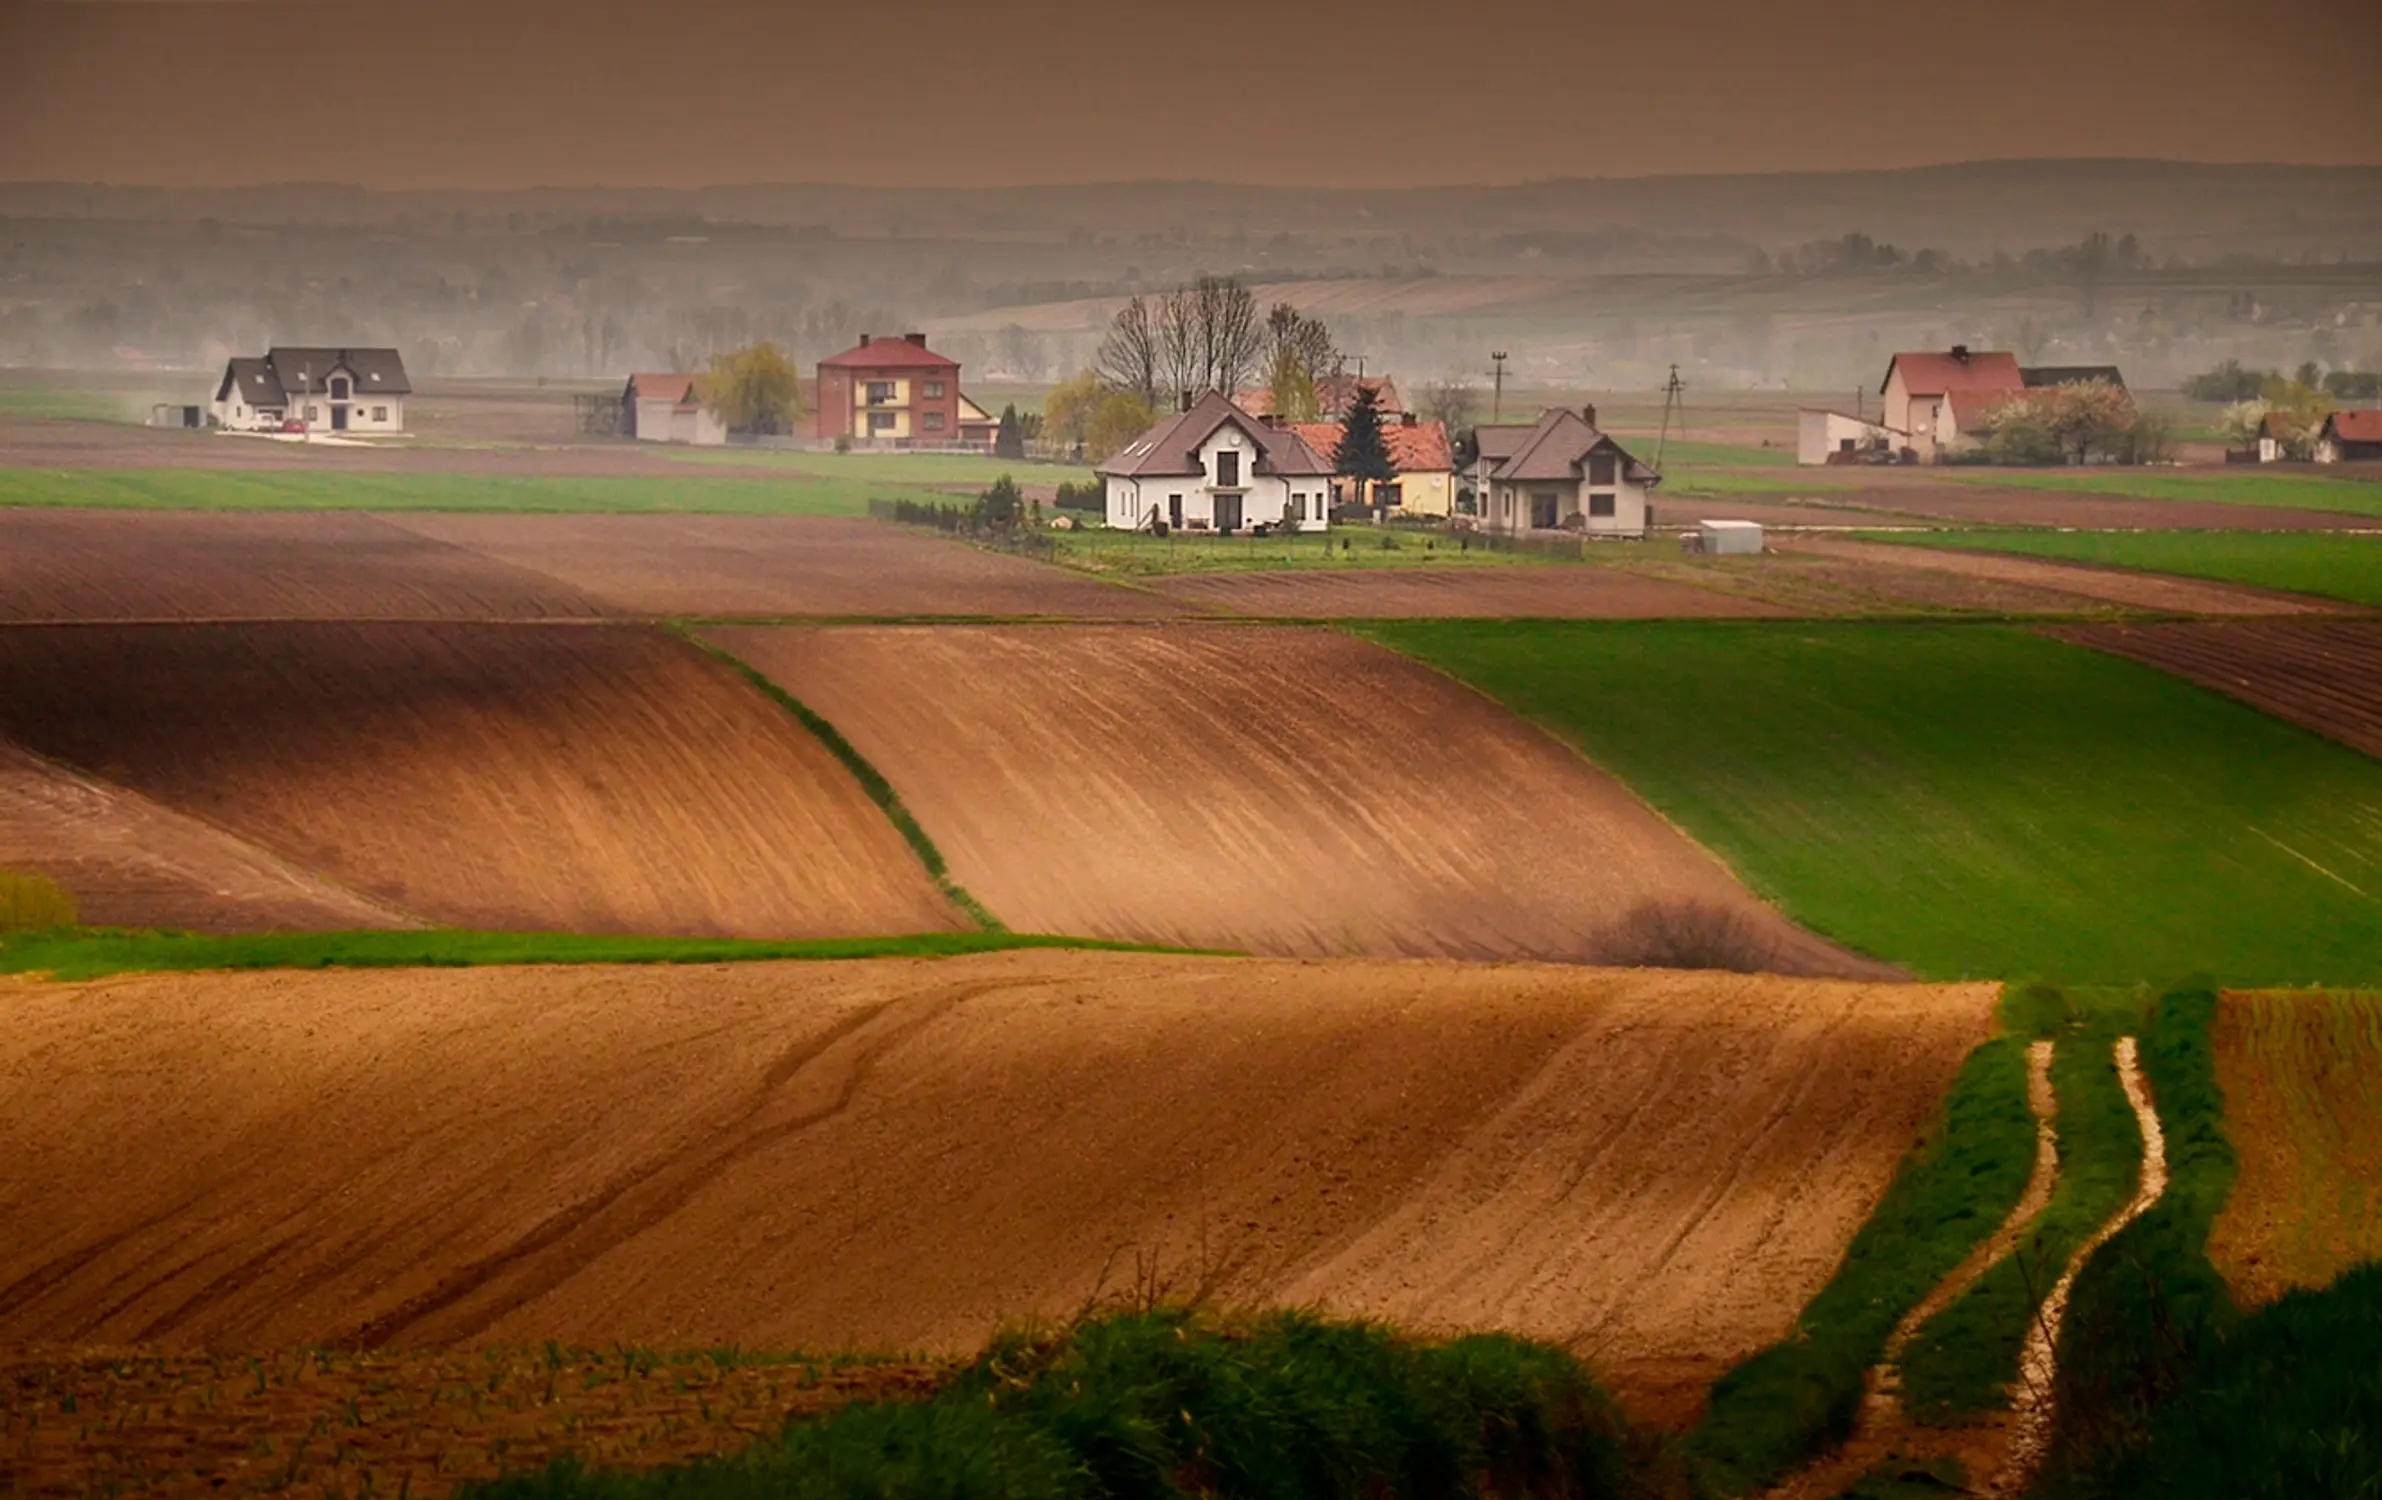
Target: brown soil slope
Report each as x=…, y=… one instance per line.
x=590, y=778
x=1274, y=790
x=781, y=565
x=2145, y=591
x=251, y=565
x=2321, y=675
x=2302, y=1074
x=1657, y=1168
x=1548, y=592
x=131, y=863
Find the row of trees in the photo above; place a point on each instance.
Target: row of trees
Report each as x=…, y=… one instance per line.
x=2233, y=382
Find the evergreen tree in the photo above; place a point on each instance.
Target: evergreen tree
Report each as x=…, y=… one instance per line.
x=1000, y=508
x=1009, y=442
x=1363, y=454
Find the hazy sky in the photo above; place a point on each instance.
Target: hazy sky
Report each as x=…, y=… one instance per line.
x=499, y=93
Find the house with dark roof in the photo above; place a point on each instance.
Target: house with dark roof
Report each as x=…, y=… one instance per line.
x=1215, y=468
x=329, y=390
x=668, y=408
x=2350, y=437
x=1425, y=481
x=1561, y=474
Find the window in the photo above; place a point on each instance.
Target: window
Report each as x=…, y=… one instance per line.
x=880, y=421
x=339, y=387
x=1544, y=505
x=314, y=414
x=1600, y=468
x=933, y=421
x=1600, y=505
x=1228, y=470
x=880, y=393
x=1298, y=506
x=1386, y=493
x=380, y=414
x=934, y=390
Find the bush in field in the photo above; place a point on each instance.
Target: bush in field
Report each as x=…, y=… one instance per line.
x=32, y=903
x=1000, y=508
x=1090, y=496
x=1687, y=935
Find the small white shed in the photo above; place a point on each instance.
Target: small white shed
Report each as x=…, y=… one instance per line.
x=1730, y=538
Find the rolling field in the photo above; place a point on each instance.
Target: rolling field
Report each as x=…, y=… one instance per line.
x=357, y=488
x=1556, y=591
x=2337, y=566
x=2322, y=675
x=2289, y=491
x=2089, y=587
x=1226, y=786
x=1654, y=1169
x=1969, y=800
x=2302, y=1075
x=526, y=778
x=1137, y=554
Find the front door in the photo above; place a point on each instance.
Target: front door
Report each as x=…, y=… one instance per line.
x=1542, y=509
x=1174, y=512
x=339, y=419
x=1228, y=513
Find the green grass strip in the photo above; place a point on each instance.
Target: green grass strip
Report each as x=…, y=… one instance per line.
x=872, y=780
x=1171, y=1404
x=1962, y=1361
x=1801, y=1395
x=93, y=953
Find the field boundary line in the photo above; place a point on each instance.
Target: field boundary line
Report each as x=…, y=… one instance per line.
x=872, y=781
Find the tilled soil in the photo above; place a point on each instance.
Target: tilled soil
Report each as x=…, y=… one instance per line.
x=1657, y=1169
x=773, y=566
x=1269, y=789
x=2324, y=675
x=1553, y=591
x=587, y=778
x=2143, y=591
x=1899, y=500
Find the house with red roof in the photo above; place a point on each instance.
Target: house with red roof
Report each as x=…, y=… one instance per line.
x=1919, y=388
x=1425, y=484
x=1215, y=468
x=668, y=408
x=1334, y=394
x=2350, y=437
x=896, y=392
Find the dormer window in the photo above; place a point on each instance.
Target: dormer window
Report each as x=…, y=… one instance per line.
x=339, y=387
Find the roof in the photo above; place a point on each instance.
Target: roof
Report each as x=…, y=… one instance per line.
x=1972, y=409
x=1420, y=449
x=2282, y=426
x=888, y=354
x=1941, y=374
x=2355, y=426
x=1558, y=448
x=1497, y=444
x=1172, y=447
x=678, y=390
x=256, y=383
x=2038, y=376
x=307, y=372
x=1332, y=396
x=969, y=411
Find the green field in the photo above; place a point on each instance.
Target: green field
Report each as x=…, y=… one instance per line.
x=1969, y=800
x=1678, y=453
x=210, y=489
x=2251, y=486
x=2336, y=565
x=46, y=404
x=1098, y=550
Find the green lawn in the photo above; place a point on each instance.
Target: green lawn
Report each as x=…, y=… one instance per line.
x=2251, y=486
x=208, y=489
x=1969, y=800
x=1686, y=453
x=1098, y=550
x=46, y=403
x=884, y=468
x=1722, y=479
x=2338, y=566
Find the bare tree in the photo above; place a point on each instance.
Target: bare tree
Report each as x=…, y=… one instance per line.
x=1292, y=335
x=1451, y=403
x=1229, y=334
x=1178, y=344
x=1129, y=355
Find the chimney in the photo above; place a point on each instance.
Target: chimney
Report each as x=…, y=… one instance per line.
x=1960, y=352
x=1406, y=419
x=1186, y=400
x=916, y=338
x=1588, y=414
x=863, y=341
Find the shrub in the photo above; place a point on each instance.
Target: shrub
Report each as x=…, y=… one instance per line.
x=33, y=903
x=1091, y=495
x=1687, y=935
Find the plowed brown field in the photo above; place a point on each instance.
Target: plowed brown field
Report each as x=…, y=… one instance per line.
x=2324, y=675
x=578, y=777
x=781, y=565
x=249, y=565
x=1276, y=790
x=1656, y=1168
x=2144, y=591
x=2302, y=1075
x=1549, y=592
x=131, y=863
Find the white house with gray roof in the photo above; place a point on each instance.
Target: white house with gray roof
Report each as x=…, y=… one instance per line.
x=330, y=390
x=1560, y=474
x=1215, y=468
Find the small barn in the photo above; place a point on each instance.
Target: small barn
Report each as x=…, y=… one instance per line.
x=668, y=408
x=2350, y=437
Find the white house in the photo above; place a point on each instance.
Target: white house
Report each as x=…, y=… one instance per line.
x=1216, y=468
x=669, y=409
x=1820, y=434
x=1561, y=474
x=330, y=390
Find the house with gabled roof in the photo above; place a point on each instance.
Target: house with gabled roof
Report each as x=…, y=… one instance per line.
x=2350, y=437
x=1424, y=483
x=330, y=390
x=668, y=408
x=1561, y=474
x=1918, y=388
x=1334, y=394
x=1215, y=468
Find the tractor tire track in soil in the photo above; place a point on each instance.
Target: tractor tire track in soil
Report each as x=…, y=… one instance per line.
x=2321, y=675
x=1657, y=1168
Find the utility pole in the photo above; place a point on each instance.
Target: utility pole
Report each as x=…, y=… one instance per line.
x=1673, y=395
x=1497, y=401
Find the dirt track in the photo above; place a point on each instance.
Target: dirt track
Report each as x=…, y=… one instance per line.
x=781, y=565
x=1656, y=1168
x=1552, y=591
x=1249, y=787
x=2145, y=591
x=2324, y=675
x=585, y=778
